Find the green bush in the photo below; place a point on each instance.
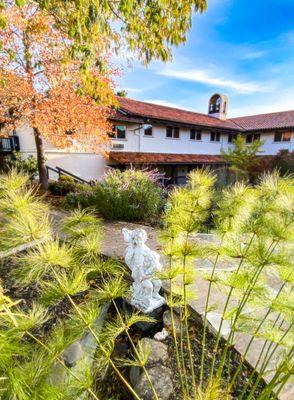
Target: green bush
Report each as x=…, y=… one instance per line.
x=83, y=199
x=130, y=195
x=27, y=165
x=65, y=185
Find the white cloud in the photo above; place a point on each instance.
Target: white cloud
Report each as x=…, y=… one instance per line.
x=133, y=90
x=202, y=76
x=252, y=55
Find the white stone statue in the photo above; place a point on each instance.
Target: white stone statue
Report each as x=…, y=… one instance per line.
x=144, y=264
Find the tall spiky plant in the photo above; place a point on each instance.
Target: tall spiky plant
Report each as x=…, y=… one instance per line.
x=255, y=230
x=254, y=227
x=60, y=270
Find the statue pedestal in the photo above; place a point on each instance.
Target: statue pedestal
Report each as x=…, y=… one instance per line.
x=147, y=309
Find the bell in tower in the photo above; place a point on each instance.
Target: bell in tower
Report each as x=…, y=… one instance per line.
x=217, y=106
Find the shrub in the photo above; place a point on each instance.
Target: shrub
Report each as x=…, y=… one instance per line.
x=27, y=165
x=65, y=185
x=284, y=162
x=83, y=199
x=131, y=195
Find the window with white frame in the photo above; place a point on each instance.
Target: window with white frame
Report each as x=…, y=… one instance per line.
x=215, y=136
x=118, y=132
x=147, y=129
x=173, y=132
x=282, y=136
x=252, y=137
x=195, y=134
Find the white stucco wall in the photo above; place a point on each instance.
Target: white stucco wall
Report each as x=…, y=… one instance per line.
x=85, y=165
x=93, y=166
x=159, y=143
x=270, y=147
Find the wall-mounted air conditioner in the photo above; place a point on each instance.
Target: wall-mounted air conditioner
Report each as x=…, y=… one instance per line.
x=118, y=146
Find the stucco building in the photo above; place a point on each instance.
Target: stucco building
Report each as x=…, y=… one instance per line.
x=172, y=140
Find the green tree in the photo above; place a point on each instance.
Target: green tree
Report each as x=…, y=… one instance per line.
x=243, y=158
x=149, y=28
x=122, y=93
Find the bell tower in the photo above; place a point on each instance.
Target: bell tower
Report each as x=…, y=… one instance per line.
x=217, y=106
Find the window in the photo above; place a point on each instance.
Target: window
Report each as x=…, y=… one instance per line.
x=286, y=137
x=173, y=132
x=251, y=137
x=215, y=136
x=119, y=132
x=230, y=138
x=282, y=136
x=278, y=137
x=195, y=135
x=147, y=130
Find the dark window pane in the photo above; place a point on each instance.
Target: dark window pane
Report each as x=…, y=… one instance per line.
x=212, y=136
x=256, y=136
x=198, y=135
x=169, y=131
x=230, y=138
x=192, y=134
x=286, y=136
x=278, y=137
x=148, y=130
x=121, y=132
x=249, y=138
x=217, y=136
x=176, y=132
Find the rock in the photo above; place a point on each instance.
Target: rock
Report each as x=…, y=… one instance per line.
x=158, y=356
x=168, y=323
x=161, y=377
x=158, y=351
x=215, y=320
x=73, y=353
x=160, y=336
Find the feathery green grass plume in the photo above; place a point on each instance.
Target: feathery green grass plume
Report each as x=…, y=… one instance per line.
x=254, y=228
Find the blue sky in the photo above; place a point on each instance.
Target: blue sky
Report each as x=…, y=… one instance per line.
x=240, y=48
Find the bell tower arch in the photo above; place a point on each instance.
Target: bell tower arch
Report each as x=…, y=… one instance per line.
x=218, y=106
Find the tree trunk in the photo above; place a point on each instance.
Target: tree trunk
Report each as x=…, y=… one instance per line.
x=43, y=179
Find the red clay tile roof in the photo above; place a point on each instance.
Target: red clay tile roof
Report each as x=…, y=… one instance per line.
x=118, y=116
x=137, y=111
x=158, y=112
x=125, y=157
x=284, y=119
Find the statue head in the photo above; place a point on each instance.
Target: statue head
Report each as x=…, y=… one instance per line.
x=137, y=237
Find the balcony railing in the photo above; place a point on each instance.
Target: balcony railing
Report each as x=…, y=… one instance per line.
x=9, y=144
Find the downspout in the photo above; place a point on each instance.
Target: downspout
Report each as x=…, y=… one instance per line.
x=140, y=126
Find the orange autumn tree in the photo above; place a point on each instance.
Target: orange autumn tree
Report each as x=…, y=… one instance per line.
x=42, y=85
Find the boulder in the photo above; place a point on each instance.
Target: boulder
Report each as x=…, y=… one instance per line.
x=161, y=377
x=158, y=352
x=161, y=336
x=168, y=323
x=158, y=371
